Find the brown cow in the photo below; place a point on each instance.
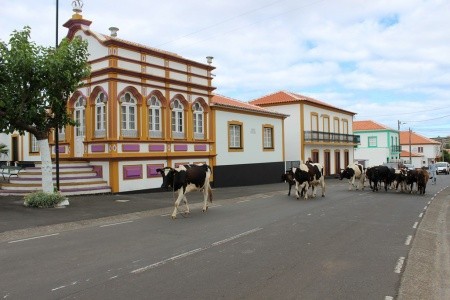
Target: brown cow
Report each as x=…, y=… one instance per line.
x=422, y=179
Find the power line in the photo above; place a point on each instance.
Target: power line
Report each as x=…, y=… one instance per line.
x=427, y=119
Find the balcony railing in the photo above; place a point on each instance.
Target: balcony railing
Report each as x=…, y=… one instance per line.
x=331, y=137
x=396, y=148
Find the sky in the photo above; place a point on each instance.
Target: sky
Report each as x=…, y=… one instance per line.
x=387, y=61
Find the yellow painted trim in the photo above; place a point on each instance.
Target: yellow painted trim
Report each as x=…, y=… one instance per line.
x=114, y=176
x=112, y=107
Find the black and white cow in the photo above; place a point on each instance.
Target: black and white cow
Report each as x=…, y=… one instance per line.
x=306, y=175
x=186, y=178
x=353, y=172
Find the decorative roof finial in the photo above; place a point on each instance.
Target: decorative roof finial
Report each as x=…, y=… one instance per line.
x=77, y=6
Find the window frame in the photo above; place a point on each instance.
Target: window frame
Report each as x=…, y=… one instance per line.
x=128, y=115
x=231, y=146
x=177, y=119
x=155, y=116
x=372, y=138
x=268, y=128
x=101, y=115
x=198, y=120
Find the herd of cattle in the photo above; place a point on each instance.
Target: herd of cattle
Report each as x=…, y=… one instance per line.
x=186, y=178
x=311, y=174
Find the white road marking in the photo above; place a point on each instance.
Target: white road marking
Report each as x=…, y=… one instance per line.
x=114, y=277
x=429, y=202
x=58, y=288
x=122, y=201
x=182, y=255
x=399, y=266
x=33, y=238
x=415, y=225
x=114, y=224
x=420, y=215
x=388, y=298
x=242, y=201
x=235, y=237
x=63, y=286
x=425, y=208
x=408, y=240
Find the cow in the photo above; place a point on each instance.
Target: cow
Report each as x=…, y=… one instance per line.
x=411, y=178
x=379, y=174
x=186, y=178
x=422, y=179
x=309, y=174
x=352, y=172
x=400, y=179
x=289, y=177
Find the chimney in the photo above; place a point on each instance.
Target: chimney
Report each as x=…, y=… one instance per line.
x=113, y=31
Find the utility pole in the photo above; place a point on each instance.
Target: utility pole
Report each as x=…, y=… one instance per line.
x=410, y=160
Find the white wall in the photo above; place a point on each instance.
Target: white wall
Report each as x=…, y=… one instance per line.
x=252, y=139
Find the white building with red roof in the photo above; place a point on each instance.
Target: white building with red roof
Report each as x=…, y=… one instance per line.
x=420, y=149
x=378, y=143
x=314, y=129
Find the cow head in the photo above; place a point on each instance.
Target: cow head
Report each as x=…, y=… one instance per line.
x=347, y=173
x=168, y=175
x=288, y=176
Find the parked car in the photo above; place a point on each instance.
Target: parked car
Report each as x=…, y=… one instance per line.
x=442, y=167
x=409, y=166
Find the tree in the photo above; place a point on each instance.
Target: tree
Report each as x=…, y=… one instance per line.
x=35, y=84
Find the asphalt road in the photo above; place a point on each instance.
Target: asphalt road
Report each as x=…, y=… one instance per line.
x=348, y=245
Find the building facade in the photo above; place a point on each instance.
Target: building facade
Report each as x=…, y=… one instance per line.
x=378, y=143
x=421, y=149
x=314, y=129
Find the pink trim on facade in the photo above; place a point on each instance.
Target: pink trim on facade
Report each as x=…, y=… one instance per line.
x=180, y=147
x=98, y=148
x=200, y=147
x=156, y=147
x=130, y=147
x=132, y=172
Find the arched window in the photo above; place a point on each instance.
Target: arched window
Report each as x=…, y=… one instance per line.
x=100, y=115
x=198, y=118
x=80, y=117
x=129, y=112
x=177, y=119
x=154, y=117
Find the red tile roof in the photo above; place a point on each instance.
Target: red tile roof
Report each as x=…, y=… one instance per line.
x=282, y=97
x=416, y=139
x=369, y=125
x=406, y=154
x=226, y=102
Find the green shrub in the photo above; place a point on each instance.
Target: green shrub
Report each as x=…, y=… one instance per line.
x=43, y=200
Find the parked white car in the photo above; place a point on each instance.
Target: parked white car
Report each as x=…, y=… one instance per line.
x=442, y=167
